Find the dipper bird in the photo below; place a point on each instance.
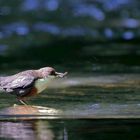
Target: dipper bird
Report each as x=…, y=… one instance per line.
x=29, y=82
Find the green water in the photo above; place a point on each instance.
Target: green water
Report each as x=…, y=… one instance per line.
x=99, y=99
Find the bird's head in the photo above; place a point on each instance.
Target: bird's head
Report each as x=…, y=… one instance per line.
x=49, y=72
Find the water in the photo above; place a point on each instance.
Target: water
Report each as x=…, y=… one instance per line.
x=99, y=99
x=98, y=107
x=70, y=129
x=101, y=96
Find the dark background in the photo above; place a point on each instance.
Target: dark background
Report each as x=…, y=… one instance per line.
x=100, y=36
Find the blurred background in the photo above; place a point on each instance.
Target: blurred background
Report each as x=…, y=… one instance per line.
x=80, y=36
x=97, y=42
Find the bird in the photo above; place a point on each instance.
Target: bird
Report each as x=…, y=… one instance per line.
x=26, y=83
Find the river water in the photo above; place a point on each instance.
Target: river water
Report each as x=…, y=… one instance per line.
x=88, y=107
x=99, y=98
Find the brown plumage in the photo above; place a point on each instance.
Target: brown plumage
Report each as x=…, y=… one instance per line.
x=23, y=84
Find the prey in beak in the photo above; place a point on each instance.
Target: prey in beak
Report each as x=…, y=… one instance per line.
x=61, y=75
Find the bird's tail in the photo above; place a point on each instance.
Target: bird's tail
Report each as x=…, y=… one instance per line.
x=1, y=88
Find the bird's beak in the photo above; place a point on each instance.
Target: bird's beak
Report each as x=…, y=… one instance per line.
x=60, y=75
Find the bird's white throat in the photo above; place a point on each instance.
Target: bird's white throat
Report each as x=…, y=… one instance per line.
x=42, y=84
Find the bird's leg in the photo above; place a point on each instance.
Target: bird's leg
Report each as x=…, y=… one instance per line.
x=22, y=101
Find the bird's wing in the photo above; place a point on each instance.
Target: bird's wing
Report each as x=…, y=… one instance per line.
x=19, y=82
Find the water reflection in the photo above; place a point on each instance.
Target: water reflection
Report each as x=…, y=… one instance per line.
x=108, y=32
x=51, y=5
x=89, y=10
x=70, y=129
x=34, y=129
x=28, y=5
x=16, y=130
x=130, y=23
x=20, y=28
x=26, y=130
x=46, y=27
x=128, y=35
x=69, y=18
x=74, y=31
